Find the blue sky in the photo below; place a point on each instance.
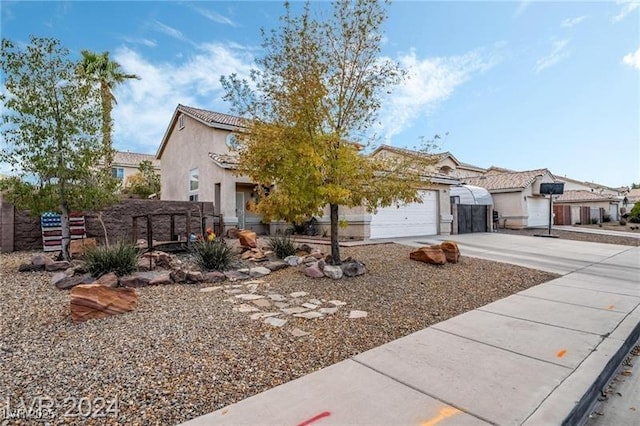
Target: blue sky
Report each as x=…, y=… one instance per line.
x=520, y=85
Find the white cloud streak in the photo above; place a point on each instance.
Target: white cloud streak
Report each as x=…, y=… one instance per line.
x=632, y=59
x=627, y=8
x=170, y=31
x=215, y=17
x=144, y=41
x=558, y=53
x=145, y=106
x=430, y=82
x=572, y=22
x=522, y=6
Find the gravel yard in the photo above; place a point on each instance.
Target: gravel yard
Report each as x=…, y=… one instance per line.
x=578, y=236
x=184, y=352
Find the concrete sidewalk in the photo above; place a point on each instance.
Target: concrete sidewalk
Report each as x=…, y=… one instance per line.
x=538, y=357
x=597, y=231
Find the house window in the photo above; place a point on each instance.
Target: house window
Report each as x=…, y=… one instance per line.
x=194, y=184
x=232, y=142
x=118, y=173
x=181, y=122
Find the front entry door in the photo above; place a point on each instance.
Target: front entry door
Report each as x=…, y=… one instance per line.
x=240, y=209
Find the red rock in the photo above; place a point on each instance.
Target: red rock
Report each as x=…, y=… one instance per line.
x=162, y=278
x=41, y=260
x=91, y=301
x=214, y=277
x=78, y=248
x=146, y=264
x=451, y=251
x=70, y=282
x=432, y=255
x=248, y=239
x=58, y=266
x=135, y=280
x=108, y=280
x=232, y=233
x=313, y=271
x=195, y=277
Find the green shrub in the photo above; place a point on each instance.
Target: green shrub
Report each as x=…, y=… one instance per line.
x=634, y=214
x=282, y=245
x=120, y=258
x=212, y=255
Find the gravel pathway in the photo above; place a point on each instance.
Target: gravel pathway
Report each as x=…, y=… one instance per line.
x=186, y=352
x=578, y=236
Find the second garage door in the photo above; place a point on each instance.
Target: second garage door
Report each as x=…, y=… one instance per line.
x=538, y=210
x=407, y=220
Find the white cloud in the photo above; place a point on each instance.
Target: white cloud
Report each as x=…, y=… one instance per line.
x=558, y=53
x=627, y=8
x=144, y=41
x=572, y=22
x=145, y=106
x=170, y=31
x=522, y=6
x=215, y=17
x=632, y=59
x=430, y=81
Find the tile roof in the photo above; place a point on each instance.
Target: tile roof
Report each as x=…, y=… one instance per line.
x=512, y=180
x=212, y=117
x=226, y=161
x=574, y=196
x=133, y=159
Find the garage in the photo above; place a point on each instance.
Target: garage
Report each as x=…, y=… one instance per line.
x=538, y=212
x=408, y=219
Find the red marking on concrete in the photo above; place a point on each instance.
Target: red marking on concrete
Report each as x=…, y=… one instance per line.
x=561, y=353
x=315, y=418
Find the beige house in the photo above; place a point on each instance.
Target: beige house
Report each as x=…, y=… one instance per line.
x=516, y=196
x=582, y=206
x=199, y=163
x=125, y=164
x=596, y=188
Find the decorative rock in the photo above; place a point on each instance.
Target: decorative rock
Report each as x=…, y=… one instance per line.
x=233, y=291
x=108, y=280
x=309, y=260
x=309, y=315
x=281, y=305
x=451, y=251
x=162, y=278
x=357, y=314
x=261, y=315
x=299, y=333
x=321, y=264
x=313, y=271
x=245, y=308
x=262, y=303
x=214, y=277
x=316, y=253
x=146, y=264
x=30, y=267
x=58, y=276
x=70, y=282
x=305, y=248
x=78, y=248
x=297, y=294
x=179, y=276
x=353, y=268
x=309, y=305
x=431, y=255
x=195, y=277
x=337, y=303
x=97, y=301
x=277, y=297
x=248, y=239
x=329, y=311
x=236, y=275
x=135, y=280
x=295, y=310
x=250, y=296
x=57, y=266
x=333, y=272
x=232, y=233
x=259, y=272
x=276, y=322
x=292, y=260
x=210, y=289
x=41, y=260
x=276, y=265
x=315, y=302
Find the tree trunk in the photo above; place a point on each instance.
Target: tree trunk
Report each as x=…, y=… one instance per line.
x=335, y=247
x=66, y=231
x=106, y=124
x=104, y=229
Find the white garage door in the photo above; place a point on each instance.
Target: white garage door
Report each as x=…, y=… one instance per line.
x=538, y=210
x=408, y=219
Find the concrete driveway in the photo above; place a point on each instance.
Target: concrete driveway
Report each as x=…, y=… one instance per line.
x=539, y=357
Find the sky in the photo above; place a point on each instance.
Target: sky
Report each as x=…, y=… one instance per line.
x=520, y=85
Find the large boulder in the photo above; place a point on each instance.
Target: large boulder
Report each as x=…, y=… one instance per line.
x=276, y=265
x=161, y=278
x=313, y=271
x=146, y=264
x=333, y=272
x=432, y=255
x=97, y=301
x=57, y=266
x=136, y=280
x=70, y=282
x=41, y=260
x=353, y=268
x=108, y=280
x=248, y=239
x=179, y=276
x=77, y=248
x=451, y=251
x=214, y=277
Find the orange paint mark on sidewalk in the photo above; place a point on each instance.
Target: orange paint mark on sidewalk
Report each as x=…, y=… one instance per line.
x=315, y=418
x=444, y=413
x=611, y=307
x=561, y=353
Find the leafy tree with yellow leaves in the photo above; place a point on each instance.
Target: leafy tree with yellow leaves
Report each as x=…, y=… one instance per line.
x=309, y=107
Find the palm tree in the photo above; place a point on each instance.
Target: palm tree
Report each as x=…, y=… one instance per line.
x=100, y=69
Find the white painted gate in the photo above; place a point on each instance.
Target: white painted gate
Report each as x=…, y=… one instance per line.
x=538, y=211
x=408, y=219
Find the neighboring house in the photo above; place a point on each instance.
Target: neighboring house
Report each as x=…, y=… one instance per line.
x=582, y=206
x=199, y=163
x=125, y=164
x=516, y=196
x=596, y=188
x=632, y=196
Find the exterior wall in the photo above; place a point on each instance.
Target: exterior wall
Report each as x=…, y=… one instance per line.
x=461, y=172
x=575, y=208
x=511, y=209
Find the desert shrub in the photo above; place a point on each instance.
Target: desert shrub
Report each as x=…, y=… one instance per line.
x=606, y=218
x=634, y=214
x=120, y=258
x=282, y=245
x=594, y=221
x=212, y=255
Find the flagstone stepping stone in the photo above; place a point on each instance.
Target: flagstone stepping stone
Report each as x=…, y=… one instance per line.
x=233, y=291
x=236, y=276
x=261, y=315
x=276, y=322
x=337, y=303
x=210, y=289
x=252, y=282
x=315, y=301
x=299, y=333
x=281, y=305
x=262, y=303
x=309, y=305
x=245, y=308
x=329, y=311
x=250, y=296
x=257, y=272
x=357, y=314
x=309, y=315
x=295, y=310
x=298, y=294
x=277, y=297
x=231, y=300
x=252, y=288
